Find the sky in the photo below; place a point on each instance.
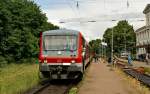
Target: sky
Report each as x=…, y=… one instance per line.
x=80, y=14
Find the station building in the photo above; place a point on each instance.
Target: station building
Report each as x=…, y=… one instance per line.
x=143, y=36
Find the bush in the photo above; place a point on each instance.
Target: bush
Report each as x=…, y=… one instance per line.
x=21, y=22
x=3, y=61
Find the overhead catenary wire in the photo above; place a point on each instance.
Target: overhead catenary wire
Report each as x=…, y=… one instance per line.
x=70, y=6
x=78, y=8
x=75, y=10
x=75, y=6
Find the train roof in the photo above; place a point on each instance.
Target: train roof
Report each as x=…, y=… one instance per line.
x=61, y=31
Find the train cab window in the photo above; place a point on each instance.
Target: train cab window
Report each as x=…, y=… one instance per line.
x=60, y=42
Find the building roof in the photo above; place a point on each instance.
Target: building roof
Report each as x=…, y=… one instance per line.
x=143, y=28
x=139, y=29
x=147, y=9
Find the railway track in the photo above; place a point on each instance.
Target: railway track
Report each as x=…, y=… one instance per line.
x=54, y=87
x=145, y=79
x=137, y=74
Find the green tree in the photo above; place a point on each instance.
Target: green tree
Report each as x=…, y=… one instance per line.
x=123, y=34
x=95, y=45
x=21, y=21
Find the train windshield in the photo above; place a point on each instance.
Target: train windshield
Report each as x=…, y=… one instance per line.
x=60, y=42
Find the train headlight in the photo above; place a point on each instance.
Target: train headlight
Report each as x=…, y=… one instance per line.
x=40, y=61
x=45, y=61
x=73, y=61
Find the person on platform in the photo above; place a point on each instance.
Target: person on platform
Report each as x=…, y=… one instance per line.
x=147, y=58
x=109, y=60
x=129, y=60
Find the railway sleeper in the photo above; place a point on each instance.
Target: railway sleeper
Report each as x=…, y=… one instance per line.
x=141, y=77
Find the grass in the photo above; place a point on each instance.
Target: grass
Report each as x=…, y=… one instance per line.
x=147, y=70
x=73, y=90
x=17, y=78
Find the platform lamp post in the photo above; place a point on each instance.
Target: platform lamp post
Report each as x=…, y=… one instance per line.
x=112, y=40
x=112, y=44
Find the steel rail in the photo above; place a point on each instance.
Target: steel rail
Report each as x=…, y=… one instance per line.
x=53, y=88
x=145, y=79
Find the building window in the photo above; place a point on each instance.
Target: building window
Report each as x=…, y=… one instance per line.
x=148, y=18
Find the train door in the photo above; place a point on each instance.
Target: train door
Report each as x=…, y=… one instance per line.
x=83, y=53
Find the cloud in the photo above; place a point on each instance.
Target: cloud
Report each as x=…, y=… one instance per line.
x=100, y=11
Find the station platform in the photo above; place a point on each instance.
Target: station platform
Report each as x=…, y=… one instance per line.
x=100, y=79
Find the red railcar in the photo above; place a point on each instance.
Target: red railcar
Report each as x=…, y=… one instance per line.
x=64, y=54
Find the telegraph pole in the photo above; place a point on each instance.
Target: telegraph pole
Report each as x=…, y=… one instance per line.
x=112, y=46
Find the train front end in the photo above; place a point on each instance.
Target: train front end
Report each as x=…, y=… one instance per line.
x=60, y=54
